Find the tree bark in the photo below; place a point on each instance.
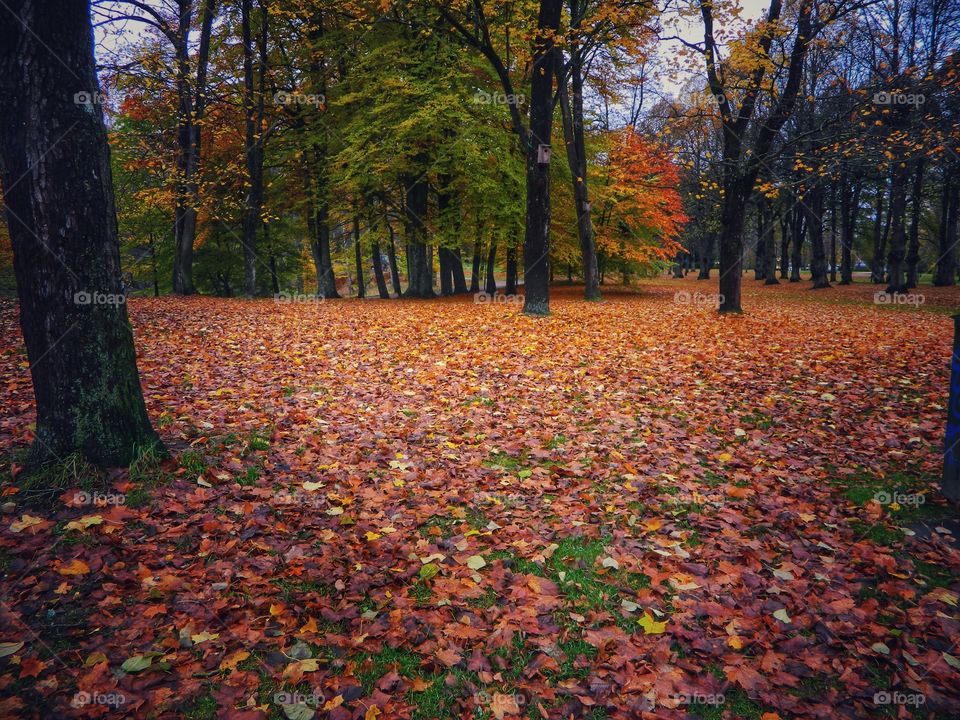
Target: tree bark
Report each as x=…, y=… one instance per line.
x=191, y=108
x=253, y=145
x=818, y=255
x=378, y=272
x=946, y=274
x=536, y=248
x=913, y=247
x=511, y=280
x=63, y=229
x=419, y=262
x=361, y=286
x=491, y=288
x=876, y=263
x=394, y=271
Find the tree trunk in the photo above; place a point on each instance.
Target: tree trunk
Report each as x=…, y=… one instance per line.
x=849, y=212
x=573, y=136
x=361, y=286
x=758, y=264
x=731, y=246
x=63, y=230
x=913, y=248
x=799, y=231
x=876, y=263
x=511, y=281
x=394, y=271
x=253, y=145
x=536, y=247
x=833, y=232
x=475, y=269
x=491, y=268
x=446, y=271
x=898, y=238
x=770, y=258
x=818, y=255
x=785, y=244
x=419, y=262
x=192, y=104
x=946, y=274
x=378, y=272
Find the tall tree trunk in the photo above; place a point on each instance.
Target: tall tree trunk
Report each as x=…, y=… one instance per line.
x=770, y=258
x=833, y=232
x=459, y=278
x=761, y=243
x=946, y=274
x=476, y=269
x=361, y=286
x=446, y=270
x=849, y=212
x=378, y=272
x=799, y=231
x=898, y=238
x=192, y=106
x=253, y=145
x=818, y=255
x=785, y=244
x=491, y=288
x=536, y=247
x=419, y=262
x=394, y=271
x=706, y=255
x=876, y=263
x=574, y=139
x=916, y=209
x=511, y=281
x=62, y=222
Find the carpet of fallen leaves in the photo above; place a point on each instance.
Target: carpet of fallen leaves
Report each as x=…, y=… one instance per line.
x=633, y=508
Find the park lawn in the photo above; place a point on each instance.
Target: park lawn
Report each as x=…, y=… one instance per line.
x=438, y=509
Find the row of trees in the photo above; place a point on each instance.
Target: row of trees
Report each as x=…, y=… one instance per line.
x=830, y=129
x=250, y=137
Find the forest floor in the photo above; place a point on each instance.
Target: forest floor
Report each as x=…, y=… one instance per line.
x=393, y=509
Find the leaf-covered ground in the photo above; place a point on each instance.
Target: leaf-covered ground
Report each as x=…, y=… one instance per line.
x=633, y=508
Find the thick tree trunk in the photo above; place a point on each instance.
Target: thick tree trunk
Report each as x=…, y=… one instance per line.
x=818, y=255
x=510, y=286
x=758, y=263
x=446, y=271
x=706, y=256
x=419, y=261
x=63, y=230
x=770, y=258
x=459, y=278
x=898, y=238
x=833, y=232
x=253, y=145
x=476, y=269
x=536, y=248
x=731, y=246
x=785, y=244
x=378, y=272
x=799, y=231
x=491, y=288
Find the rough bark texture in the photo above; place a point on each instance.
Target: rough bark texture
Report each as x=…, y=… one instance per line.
x=63, y=229
x=394, y=271
x=419, y=261
x=818, y=254
x=536, y=249
x=378, y=272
